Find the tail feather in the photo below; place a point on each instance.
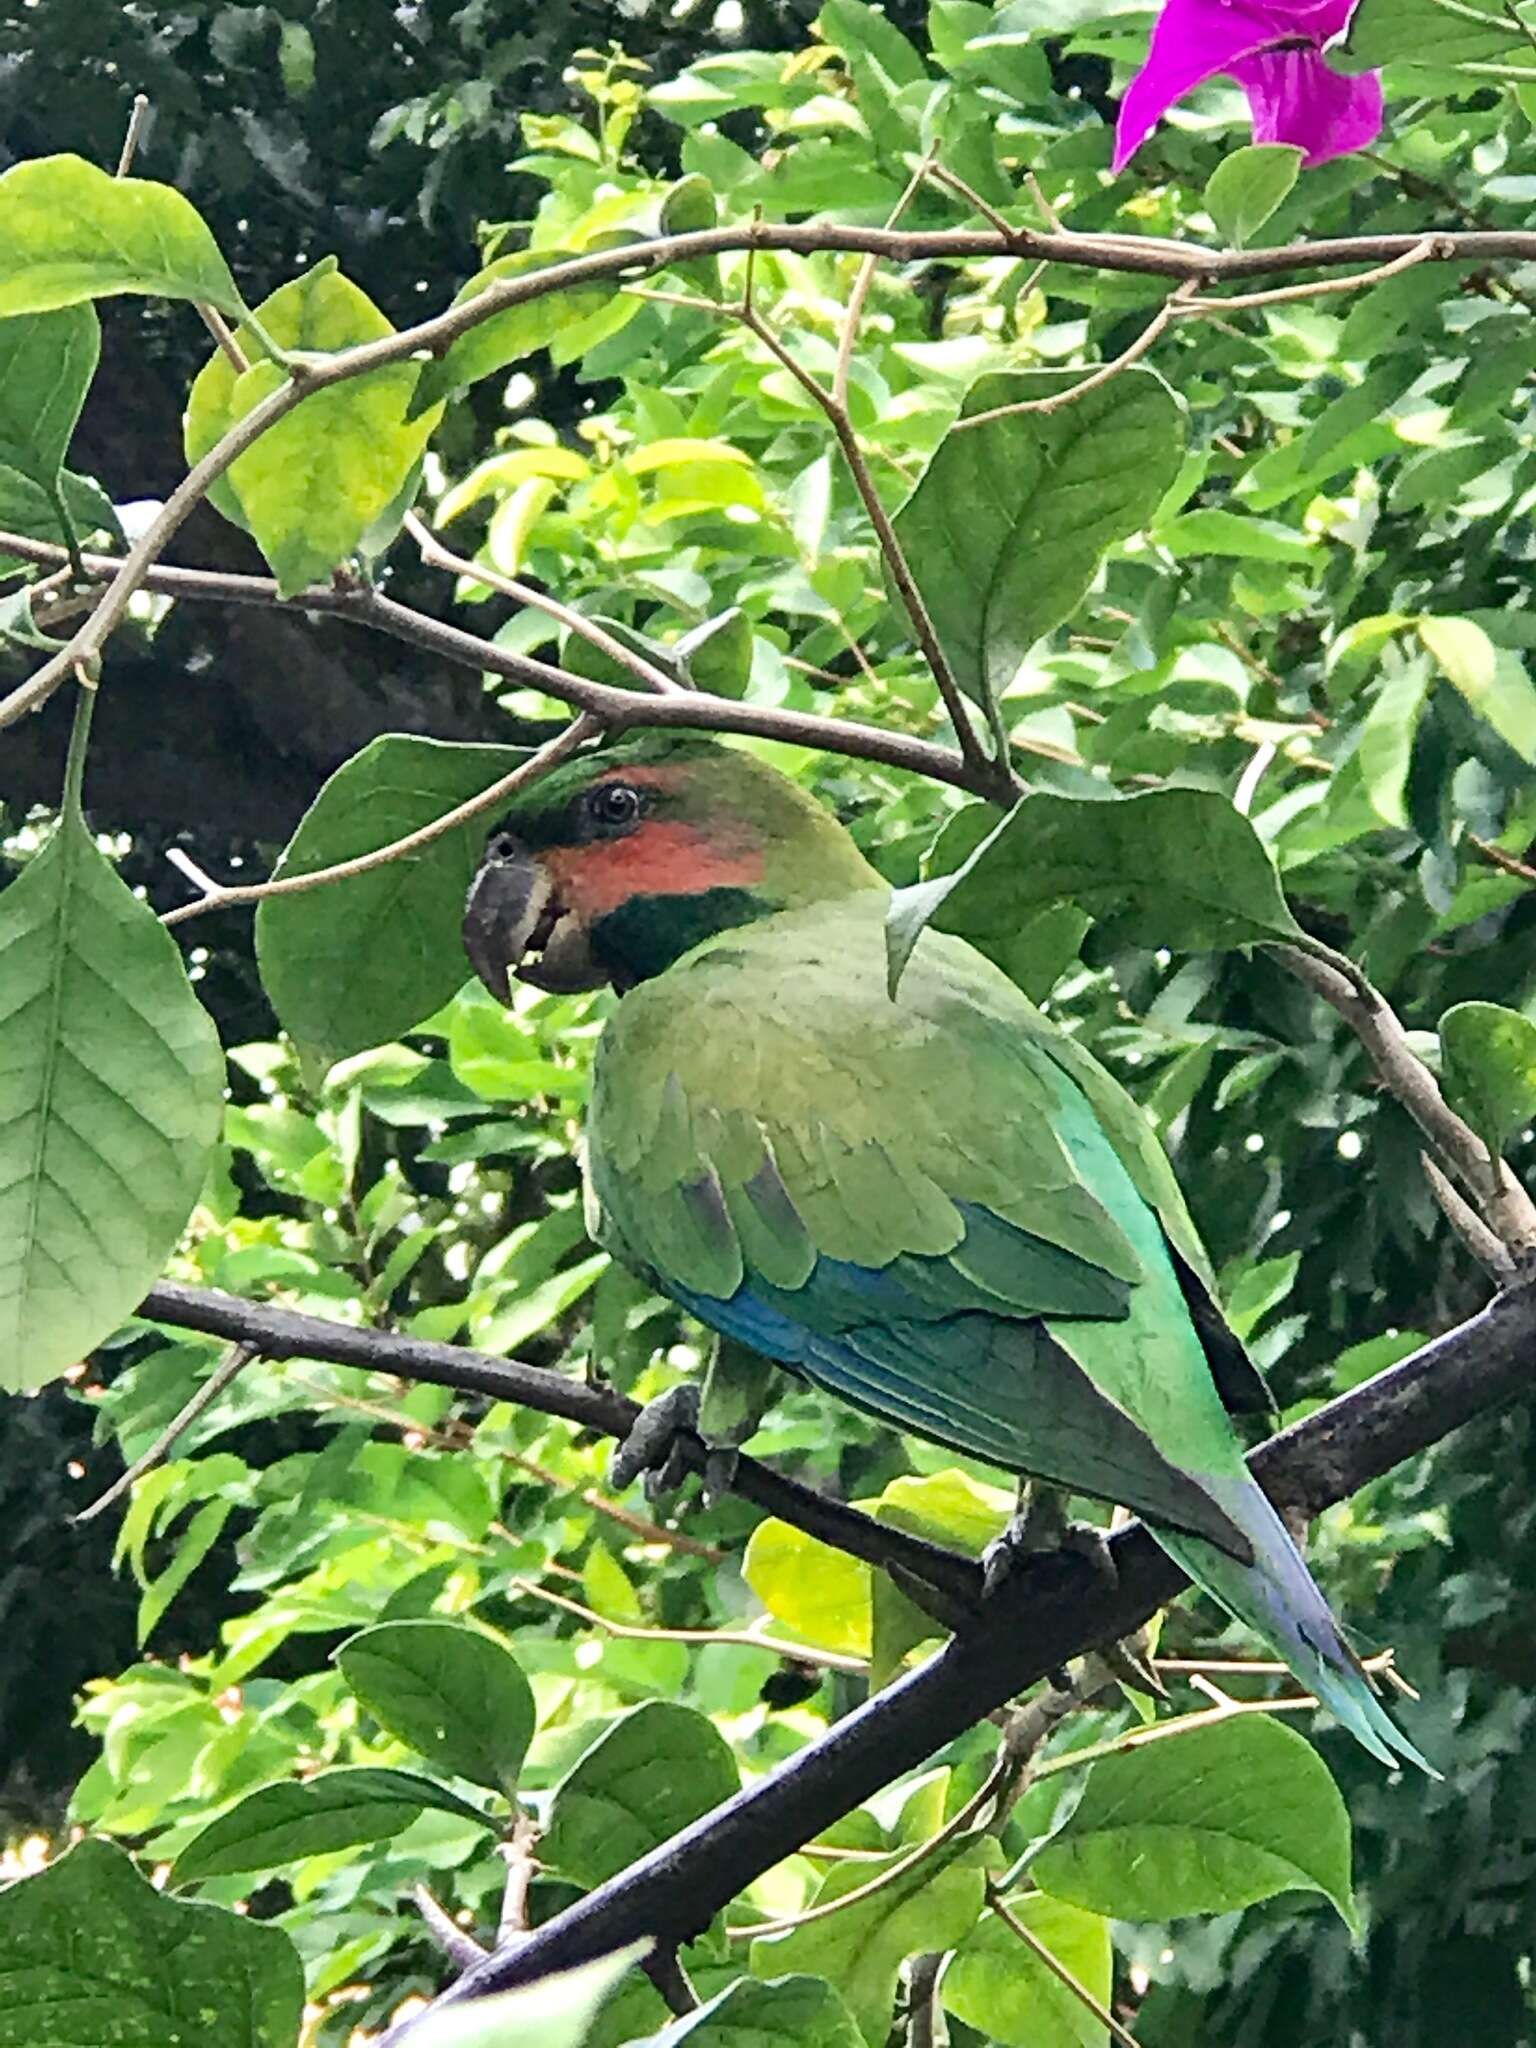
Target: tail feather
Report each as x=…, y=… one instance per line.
x=1278, y=1597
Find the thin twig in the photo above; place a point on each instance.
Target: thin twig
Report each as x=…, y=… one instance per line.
x=1480, y=1241
x=863, y=281
x=521, y=1867
x=802, y=1653
x=1148, y=338
x=438, y=556
x=1059, y=1970
x=698, y=711
x=892, y=552
x=1506, y=863
x=234, y=1362
x=456, y=1942
x=1430, y=245
x=1507, y=1207
x=941, y=174
x=538, y=765
x=991, y=1787
x=138, y=114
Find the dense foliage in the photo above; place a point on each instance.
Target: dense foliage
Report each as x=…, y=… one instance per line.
x=1270, y=580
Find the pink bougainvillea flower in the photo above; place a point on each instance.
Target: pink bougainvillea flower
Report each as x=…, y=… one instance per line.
x=1275, y=51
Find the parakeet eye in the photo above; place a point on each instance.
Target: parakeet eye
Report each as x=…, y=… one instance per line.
x=502, y=846
x=613, y=804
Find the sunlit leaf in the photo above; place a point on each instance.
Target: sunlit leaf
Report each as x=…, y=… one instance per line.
x=999, y=1986
x=319, y=479
x=69, y=232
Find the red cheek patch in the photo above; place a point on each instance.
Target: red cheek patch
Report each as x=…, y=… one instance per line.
x=663, y=858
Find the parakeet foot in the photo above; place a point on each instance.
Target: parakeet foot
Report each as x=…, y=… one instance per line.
x=1041, y=1525
x=655, y=1447
x=654, y=1444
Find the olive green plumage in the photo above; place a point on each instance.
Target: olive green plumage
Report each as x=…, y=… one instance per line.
x=938, y=1206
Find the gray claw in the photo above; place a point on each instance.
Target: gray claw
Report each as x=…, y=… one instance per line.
x=652, y=1446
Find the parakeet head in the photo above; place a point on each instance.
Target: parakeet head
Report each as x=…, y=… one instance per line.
x=614, y=866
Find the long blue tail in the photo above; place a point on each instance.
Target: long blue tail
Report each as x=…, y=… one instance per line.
x=1278, y=1598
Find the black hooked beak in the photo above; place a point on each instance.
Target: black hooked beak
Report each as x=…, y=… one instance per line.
x=511, y=915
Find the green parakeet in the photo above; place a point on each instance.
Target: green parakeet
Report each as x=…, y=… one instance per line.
x=937, y=1206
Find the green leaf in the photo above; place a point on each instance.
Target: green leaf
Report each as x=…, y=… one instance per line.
x=1175, y=867
x=111, y=1098
x=68, y=233
x=820, y=1593
x=1488, y=1061
x=1492, y=679
x=1424, y=32
x=1058, y=490
x=648, y=1775
x=28, y=507
x=932, y=1905
x=1386, y=739
x=456, y=1696
x=47, y=361
x=505, y=338
x=1212, y=530
x=717, y=656
x=783, y=2012
x=355, y=963
x=281, y=1824
x=321, y=477
x=90, y=1951
x=1205, y=1822
x=556, y=2012
x=1246, y=187
x=996, y=1984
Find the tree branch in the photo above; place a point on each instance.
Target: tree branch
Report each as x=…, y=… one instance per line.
x=1055, y=1609
x=1503, y=1201
x=279, y=1333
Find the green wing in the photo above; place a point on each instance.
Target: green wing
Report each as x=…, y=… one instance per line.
x=764, y=1109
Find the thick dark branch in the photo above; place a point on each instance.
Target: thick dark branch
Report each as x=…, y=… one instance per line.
x=1054, y=1609
x=278, y=1333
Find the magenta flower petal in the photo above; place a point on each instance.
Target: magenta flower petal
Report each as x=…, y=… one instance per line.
x=1193, y=40
x=1296, y=98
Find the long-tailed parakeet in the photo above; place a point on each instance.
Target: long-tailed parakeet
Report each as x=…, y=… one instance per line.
x=936, y=1206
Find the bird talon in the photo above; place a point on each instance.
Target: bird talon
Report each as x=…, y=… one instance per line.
x=652, y=1447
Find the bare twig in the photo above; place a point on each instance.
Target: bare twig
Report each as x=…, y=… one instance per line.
x=695, y=710
x=234, y=1362
x=521, y=1867
x=862, y=282
x=1148, y=338
x=990, y=1789
x=802, y=1653
x=138, y=114
x=891, y=550
x=1060, y=1972
x=1480, y=1241
x=438, y=556
x=456, y=1942
x=1506, y=863
x=1504, y=1202
x=1428, y=246
x=538, y=764
x=941, y=174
